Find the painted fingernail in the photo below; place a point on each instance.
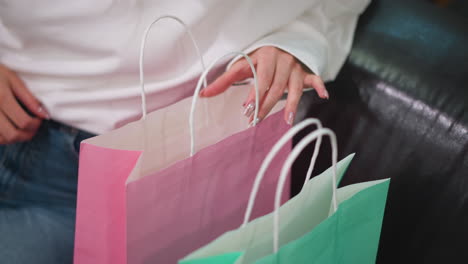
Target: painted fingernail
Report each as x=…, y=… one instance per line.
x=290, y=118
x=254, y=122
x=44, y=112
x=249, y=109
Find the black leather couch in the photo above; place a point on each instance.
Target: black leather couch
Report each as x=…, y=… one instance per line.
x=400, y=103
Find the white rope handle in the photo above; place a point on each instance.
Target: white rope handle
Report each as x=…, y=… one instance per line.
x=313, y=159
x=197, y=92
x=273, y=152
x=142, y=50
x=287, y=165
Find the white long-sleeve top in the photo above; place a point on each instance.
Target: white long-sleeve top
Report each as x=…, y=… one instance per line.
x=80, y=58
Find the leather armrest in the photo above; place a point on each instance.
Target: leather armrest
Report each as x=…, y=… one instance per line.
x=400, y=103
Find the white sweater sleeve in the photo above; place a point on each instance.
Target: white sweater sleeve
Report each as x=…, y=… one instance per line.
x=320, y=38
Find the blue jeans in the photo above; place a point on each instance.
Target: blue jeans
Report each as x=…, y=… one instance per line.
x=38, y=182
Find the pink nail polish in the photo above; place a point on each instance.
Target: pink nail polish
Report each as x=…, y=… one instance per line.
x=249, y=109
x=254, y=122
x=290, y=118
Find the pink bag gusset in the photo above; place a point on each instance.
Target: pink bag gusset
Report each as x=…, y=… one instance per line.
x=101, y=208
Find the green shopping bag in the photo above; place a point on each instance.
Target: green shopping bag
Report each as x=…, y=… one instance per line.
x=310, y=231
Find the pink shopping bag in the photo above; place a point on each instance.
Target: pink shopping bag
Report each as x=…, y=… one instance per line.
x=166, y=214
x=142, y=198
x=134, y=205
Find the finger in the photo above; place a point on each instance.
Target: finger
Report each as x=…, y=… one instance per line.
x=295, y=89
x=25, y=96
x=2, y=140
x=314, y=81
x=283, y=70
x=265, y=73
x=17, y=115
x=284, y=67
x=12, y=134
x=238, y=72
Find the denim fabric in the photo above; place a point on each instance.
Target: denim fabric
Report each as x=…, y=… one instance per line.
x=38, y=182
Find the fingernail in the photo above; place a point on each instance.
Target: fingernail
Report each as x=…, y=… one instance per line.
x=290, y=118
x=249, y=109
x=327, y=95
x=202, y=92
x=254, y=122
x=43, y=111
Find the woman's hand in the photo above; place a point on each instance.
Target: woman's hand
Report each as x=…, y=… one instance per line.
x=277, y=71
x=16, y=124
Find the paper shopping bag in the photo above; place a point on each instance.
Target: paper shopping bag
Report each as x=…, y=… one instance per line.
x=144, y=198
x=350, y=243
x=352, y=231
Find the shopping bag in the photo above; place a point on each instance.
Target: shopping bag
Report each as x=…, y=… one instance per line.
x=311, y=229
x=144, y=198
